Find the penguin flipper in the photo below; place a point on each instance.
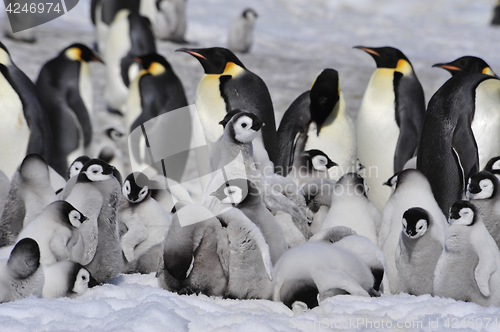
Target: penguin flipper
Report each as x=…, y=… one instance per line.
x=407, y=143
x=464, y=144
x=482, y=274
x=76, y=103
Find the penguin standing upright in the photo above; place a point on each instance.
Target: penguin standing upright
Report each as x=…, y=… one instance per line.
x=64, y=87
x=467, y=64
x=496, y=14
x=240, y=37
x=228, y=85
x=25, y=127
x=448, y=152
x=170, y=20
x=390, y=119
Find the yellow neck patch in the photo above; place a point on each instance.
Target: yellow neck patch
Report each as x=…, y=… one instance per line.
x=74, y=54
x=488, y=71
x=403, y=67
x=156, y=69
x=232, y=69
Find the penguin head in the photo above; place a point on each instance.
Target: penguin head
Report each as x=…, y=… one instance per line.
x=249, y=14
x=415, y=222
x=24, y=259
x=136, y=187
x=389, y=57
x=467, y=64
x=462, y=213
x=316, y=160
x=96, y=170
x=242, y=126
x=33, y=168
x=353, y=184
x=80, y=278
x=236, y=191
x=82, y=53
x=392, y=182
x=325, y=93
x=213, y=60
x=77, y=165
x=153, y=63
x=68, y=213
x=482, y=185
x=4, y=55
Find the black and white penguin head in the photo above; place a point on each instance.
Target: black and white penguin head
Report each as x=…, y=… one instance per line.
x=81, y=278
x=68, y=214
x=389, y=57
x=250, y=14
x=81, y=53
x=153, y=63
x=462, y=213
x=136, y=187
x=324, y=95
x=24, y=259
x=352, y=184
x=213, y=60
x=467, y=64
x=415, y=222
x=4, y=55
x=235, y=191
x=241, y=126
x=392, y=182
x=482, y=185
x=316, y=160
x=77, y=165
x=96, y=170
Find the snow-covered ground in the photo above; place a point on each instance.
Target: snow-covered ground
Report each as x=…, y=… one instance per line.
x=294, y=41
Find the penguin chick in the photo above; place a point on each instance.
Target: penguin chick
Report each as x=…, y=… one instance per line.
x=310, y=165
x=419, y=248
x=64, y=87
x=30, y=192
x=467, y=64
x=246, y=197
x=468, y=267
x=314, y=271
x=351, y=207
x=21, y=274
x=66, y=279
x=482, y=191
x=240, y=37
x=145, y=220
x=77, y=165
x=390, y=119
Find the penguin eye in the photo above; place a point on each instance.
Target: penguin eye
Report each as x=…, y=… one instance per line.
x=144, y=191
x=84, y=278
x=114, y=134
x=244, y=125
x=126, y=188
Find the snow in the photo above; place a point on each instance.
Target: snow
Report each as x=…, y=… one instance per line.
x=294, y=41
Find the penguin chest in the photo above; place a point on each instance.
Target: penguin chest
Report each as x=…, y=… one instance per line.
x=211, y=107
x=85, y=87
x=14, y=130
x=134, y=107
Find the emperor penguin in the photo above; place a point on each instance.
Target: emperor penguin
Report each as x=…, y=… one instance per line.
x=96, y=194
x=64, y=87
x=145, y=221
x=493, y=166
x=25, y=127
x=314, y=271
x=53, y=229
x=228, y=85
x=66, y=279
x=240, y=36
x=412, y=191
x=483, y=190
x=30, y=192
x=467, y=269
x=195, y=255
x=77, y=165
x=390, y=119
x=310, y=165
x=419, y=248
x=170, y=20
x=496, y=14
x=318, y=119
x=351, y=207
x=129, y=35
x=467, y=64
x=21, y=275
x=157, y=90
x=246, y=197
x=465, y=103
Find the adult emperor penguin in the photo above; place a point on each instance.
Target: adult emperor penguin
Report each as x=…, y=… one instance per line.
x=448, y=133
x=146, y=224
x=21, y=274
x=195, y=256
x=310, y=165
x=170, y=19
x=246, y=197
x=468, y=267
x=30, y=192
x=25, y=127
x=66, y=278
x=390, y=119
x=64, y=87
x=419, y=248
x=496, y=14
x=228, y=85
x=96, y=194
x=467, y=64
x=483, y=190
x=318, y=119
x=240, y=36
x=412, y=190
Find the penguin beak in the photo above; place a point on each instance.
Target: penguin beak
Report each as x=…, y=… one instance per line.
x=84, y=219
x=193, y=53
x=138, y=59
x=473, y=189
x=367, y=50
x=447, y=67
x=330, y=164
x=97, y=59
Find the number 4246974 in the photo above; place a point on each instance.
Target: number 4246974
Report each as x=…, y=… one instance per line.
x=15, y=8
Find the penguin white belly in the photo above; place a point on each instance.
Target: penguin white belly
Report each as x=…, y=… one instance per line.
x=85, y=88
x=211, y=107
x=486, y=122
x=148, y=8
x=134, y=108
x=101, y=30
x=377, y=133
x=14, y=130
x=42, y=232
